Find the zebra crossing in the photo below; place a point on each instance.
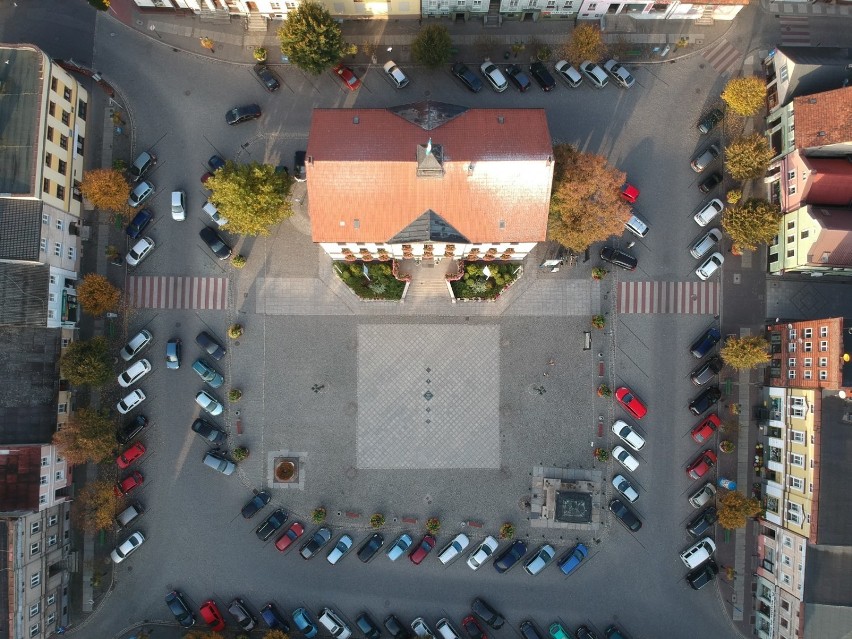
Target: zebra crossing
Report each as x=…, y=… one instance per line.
x=688, y=298
x=174, y=292
x=795, y=30
x=722, y=56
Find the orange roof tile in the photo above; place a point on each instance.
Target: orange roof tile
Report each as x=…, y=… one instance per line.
x=362, y=166
x=823, y=118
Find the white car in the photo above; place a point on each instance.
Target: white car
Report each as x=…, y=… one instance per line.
x=628, y=435
x=213, y=212
x=142, y=192
x=619, y=73
x=421, y=629
x=494, y=76
x=708, y=213
x=454, y=548
x=208, y=403
x=343, y=546
x=625, y=459
x=482, y=553
x=127, y=546
x=596, y=75
x=134, y=373
x=131, y=401
x=710, y=266
x=622, y=485
x=568, y=73
x=140, y=251
x=704, y=494
x=136, y=345
x=705, y=243
x=178, y=206
x=334, y=624
x=399, y=79
x=540, y=560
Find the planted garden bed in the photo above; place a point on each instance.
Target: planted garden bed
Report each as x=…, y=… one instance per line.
x=378, y=284
x=475, y=284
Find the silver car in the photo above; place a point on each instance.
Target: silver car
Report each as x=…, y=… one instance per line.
x=208, y=403
x=142, y=192
x=710, y=266
x=126, y=547
x=540, y=560
x=482, y=553
x=623, y=485
x=140, y=251
x=399, y=79
x=494, y=76
x=218, y=463
x=704, y=495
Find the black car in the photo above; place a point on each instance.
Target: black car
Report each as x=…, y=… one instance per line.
x=487, y=613
x=542, y=76
x=209, y=432
x=267, y=77
x=138, y=223
x=175, y=602
x=173, y=353
x=517, y=77
x=273, y=618
x=529, y=631
x=702, y=522
x=215, y=243
x=319, y=539
x=367, y=626
x=583, y=632
x=211, y=346
x=699, y=577
x=705, y=343
x=242, y=114
x=396, y=628
x=299, y=166
x=370, y=547
x=509, y=557
x=705, y=400
x=709, y=121
x=619, y=258
x=131, y=429
x=255, y=504
x=613, y=632
x=712, y=181
x=625, y=515
x=272, y=523
x=467, y=77
x=241, y=614
x=706, y=371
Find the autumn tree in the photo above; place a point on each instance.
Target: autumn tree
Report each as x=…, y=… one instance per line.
x=96, y=295
x=106, y=188
x=734, y=508
x=311, y=38
x=585, y=202
x=87, y=362
x=745, y=352
x=586, y=43
x=276, y=634
x=94, y=507
x=747, y=158
x=432, y=46
x=745, y=96
x=204, y=634
x=87, y=436
x=252, y=196
x=752, y=222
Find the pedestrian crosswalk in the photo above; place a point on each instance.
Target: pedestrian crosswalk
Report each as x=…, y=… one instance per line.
x=795, y=31
x=692, y=298
x=202, y=293
x=722, y=56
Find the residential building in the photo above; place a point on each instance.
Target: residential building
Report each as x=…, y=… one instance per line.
x=800, y=71
x=707, y=12
x=813, y=239
x=780, y=579
x=278, y=10
x=428, y=179
x=809, y=354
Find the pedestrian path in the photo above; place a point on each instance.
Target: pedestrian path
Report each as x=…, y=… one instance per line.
x=806, y=8
x=202, y=293
x=795, y=31
x=688, y=298
x=722, y=56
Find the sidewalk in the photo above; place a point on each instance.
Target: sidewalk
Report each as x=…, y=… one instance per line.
x=806, y=8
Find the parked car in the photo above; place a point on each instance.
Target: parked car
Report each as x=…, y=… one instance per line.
x=482, y=553
x=210, y=209
x=467, y=77
x=123, y=550
x=705, y=243
x=494, y=76
x=255, y=504
x=241, y=114
x=706, y=428
x=299, y=166
x=271, y=524
x=367, y=626
x=209, y=345
x=629, y=436
x=128, y=483
x=178, y=607
x=130, y=401
x=627, y=460
x=712, y=181
x=207, y=373
x=594, y=73
x=620, y=258
x=396, y=628
x=343, y=546
x=625, y=515
x=305, y=623
x=583, y=632
x=178, y=206
x=267, y=77
x=140, y=193
x=705, y=342
x=619, y=73
x=529, y=630
x=399, y=547
x=211, y=615
x=240, y=613
x=629, y=193
x=705, y=372
x=702, y=522
x=613, y=632
x=709, y=212
x=709, y=121
x=705, y=400
x=702, y=495
x=347, y=77
x=703, y=575
x=319, y=539
x=710, y=266
x=370, y=547
x=395, y=74
x=509, y=557
x=556, y=631
x=423, y=548
x=630, y=402
x=445, y=630
x=485, y=612
x=540, y=560
x=518, y=78
x=568, y=73
x=209, y=432
x=139, y=251
x=704, y=158
x=214, y=163
x=699, y=552
x=273, y=618
x=131, y=429
x=139, y=222
x=173, y=349
x=209, y=403
x=141, y=165
x=701, y=464
x=334, y=624
x=130, y=456
x=420, y=629
x=454, y=548
x=290, y=535
x=215, y=243
x=134, y=373
x=136, y=345
x=219, y=463
x=623, y=485
x=542, y=76
x=637, y=226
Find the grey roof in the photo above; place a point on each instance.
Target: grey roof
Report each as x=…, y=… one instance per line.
x=429, y=227
x=828, y=575
x=428, y=114
x=23, y=294
x=29, y=384
x=20, y=229
x=20, y=102
x=827, y=622
x=834, y=515
x=814, y=70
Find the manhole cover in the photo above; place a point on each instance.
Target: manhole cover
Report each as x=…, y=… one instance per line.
x=351, y=472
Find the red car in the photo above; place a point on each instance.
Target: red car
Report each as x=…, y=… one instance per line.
x=703, y=463
x=347, y=77
x=629, y=193
x=705, y=429
x=128, y=483
x=473, y=628
x=290, y=535
x=631, y=403
x=211, y=616
x=130, y=455
x=423, y=548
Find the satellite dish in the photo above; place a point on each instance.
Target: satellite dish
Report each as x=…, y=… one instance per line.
x=841, y=394
x=789, y=326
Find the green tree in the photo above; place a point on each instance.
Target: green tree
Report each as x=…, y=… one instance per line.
x=311, y=38
x=586, y=43
x=432, y=46
x=735, y=508
x=585, y=202
x=745, y=96
x=753, y=222
x=745, y=352
x=94, y=507
x=96, y=295
x=747, y=158
x=252, y=196
x=107, y=189
x=87, y=362
x=88, y=436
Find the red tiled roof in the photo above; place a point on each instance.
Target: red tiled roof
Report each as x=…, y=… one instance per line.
x=829, y=182
x=368, y=172
x=835, y=238
x=20, y=477
x=828, y=113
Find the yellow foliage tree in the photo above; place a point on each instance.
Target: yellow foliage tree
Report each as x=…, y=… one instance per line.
x=88, y=436
x=745, y=96
x=745, y=352
x=585, y=202
x=94, y=507
x=253, y=197
x=586, y=43
x=106, y=188
x=753, y=222
x=735, y=508
x=276, y=634
x=96, y=295
x=747, y=158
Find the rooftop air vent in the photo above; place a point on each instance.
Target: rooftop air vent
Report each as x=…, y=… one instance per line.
x=821, y=134
x=500, y=119
x=356, y=120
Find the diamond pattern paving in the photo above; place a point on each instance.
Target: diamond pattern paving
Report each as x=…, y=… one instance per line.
x=428, y=396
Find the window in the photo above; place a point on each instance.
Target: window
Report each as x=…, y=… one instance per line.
x=43, y=480
x=791, y=188
x=34, y=630
x=65, y=342
x=66, y=118
x=51, y=618
x=81, y=143
x=43, y=245
x=809, y=361
x=63, y=141
x=823, y=375
x=50, y=134
x=67, y=93
x=60, y=192
x=72, y=252
x=823, y=331
x=34, y=548
x=63, y=167
x=791, y=374
x=57, y=249
x=51, y=541
x=808, y=374
x=51, y=599
x=797, y=483
x=788, y=543
x=45, y=185
x=791, y=239
x=797, y=460
x=51, y=109
x=42, y=499
x=59, y=225
x=81, y=110
x=823, y=345
x=35, y=579
x=51, y=521
x=804, y=236
x=53, y=84
x=791, y=362
x=45, y=219
x=35, y=527
x=794, y=513
x=823, y=361
x=782, y=72
x=791, y=175
x=808, y=332
x=786, y=579
x=45, y=461
x=791, y=253
x=59, y=475
x=51, y=297
x=34, y=609
x=809, y=347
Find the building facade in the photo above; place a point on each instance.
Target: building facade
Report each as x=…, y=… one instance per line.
x=780, y=579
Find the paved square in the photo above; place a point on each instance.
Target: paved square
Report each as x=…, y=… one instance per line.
x=428, y=396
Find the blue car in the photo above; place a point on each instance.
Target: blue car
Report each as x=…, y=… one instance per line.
x=137, y=224
x=573, y=558
x=705, y=343
x=303, y=621
x=512, y=555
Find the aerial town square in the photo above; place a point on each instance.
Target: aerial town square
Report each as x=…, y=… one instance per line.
x=453, y=319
